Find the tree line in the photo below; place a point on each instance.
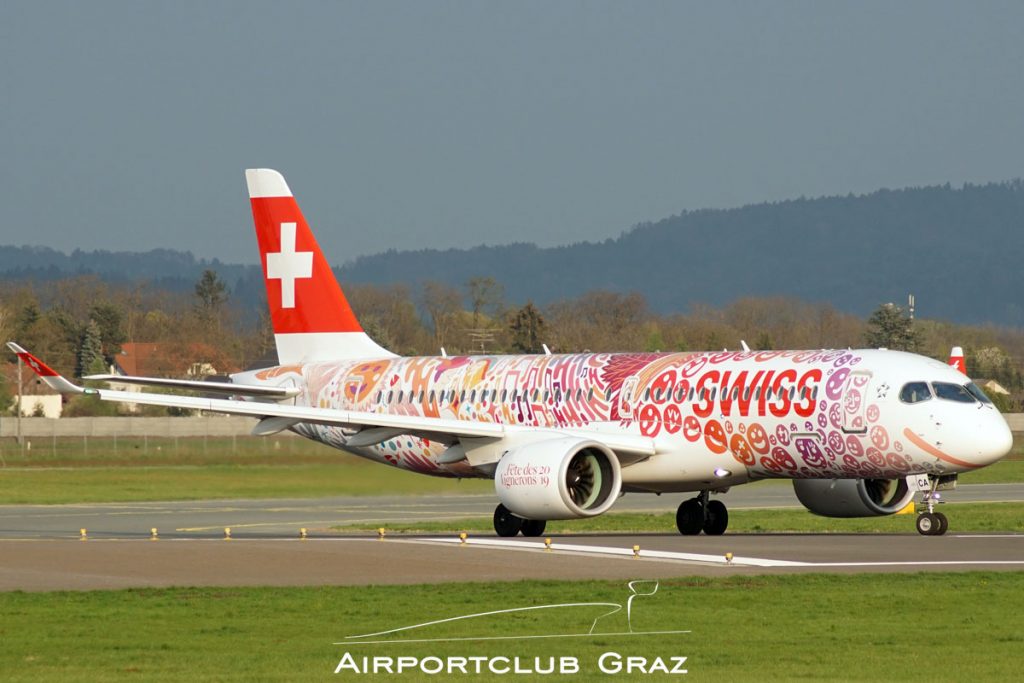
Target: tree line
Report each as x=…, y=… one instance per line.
x=79, y=324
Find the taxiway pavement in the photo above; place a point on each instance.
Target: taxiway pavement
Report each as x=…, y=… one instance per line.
x=283, y=518
x=40, y=547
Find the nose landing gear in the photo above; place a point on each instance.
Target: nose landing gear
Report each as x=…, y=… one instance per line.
x=700, y=514
x=932, y=523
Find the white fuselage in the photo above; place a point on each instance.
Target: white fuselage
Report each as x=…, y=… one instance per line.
x=717, y=419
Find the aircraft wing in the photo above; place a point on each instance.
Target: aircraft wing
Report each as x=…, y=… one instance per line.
x=275, y=417
x=226, y=388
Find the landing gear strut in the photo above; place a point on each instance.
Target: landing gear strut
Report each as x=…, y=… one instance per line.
x=506, y=524
x=700, y=514
x=932, y=523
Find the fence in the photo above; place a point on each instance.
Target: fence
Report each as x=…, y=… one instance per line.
x=146, y=440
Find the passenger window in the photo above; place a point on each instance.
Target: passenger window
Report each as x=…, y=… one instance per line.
x=915, y=392
x=391, y=395
x=504, y=395
x=590, y=394
x=647, y=394
x=977, y=393
x=952, y=392
x=432, y=395
x=379, y=395
x=462, y=396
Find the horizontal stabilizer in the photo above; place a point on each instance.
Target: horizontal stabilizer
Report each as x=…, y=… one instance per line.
x=228, y=388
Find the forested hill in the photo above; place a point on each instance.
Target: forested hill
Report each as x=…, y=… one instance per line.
x=959, y=250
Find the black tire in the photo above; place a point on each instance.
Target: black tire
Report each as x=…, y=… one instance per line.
x=505, y=523
x=716, y=518
x=927, y=524
x=533, y=527
x=943, y=524
x=690, y=517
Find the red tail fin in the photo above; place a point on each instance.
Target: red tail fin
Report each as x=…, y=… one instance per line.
x=312, y=318
x=956, y=359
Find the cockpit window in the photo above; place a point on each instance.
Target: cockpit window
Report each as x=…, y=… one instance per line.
x=952, y=392
x=915, y=392
x=977, y=393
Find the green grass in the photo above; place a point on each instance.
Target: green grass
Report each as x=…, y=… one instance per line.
x=1008, y=470
x=350, y=476
x=75, y=470
x=964, y=517
x=812, y=626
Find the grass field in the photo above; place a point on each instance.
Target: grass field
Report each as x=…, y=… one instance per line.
x=134, y=469
x=864, y=627
x=967, y=517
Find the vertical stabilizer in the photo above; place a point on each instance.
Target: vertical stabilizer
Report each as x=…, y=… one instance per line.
x=311, y=316
x=956, y=359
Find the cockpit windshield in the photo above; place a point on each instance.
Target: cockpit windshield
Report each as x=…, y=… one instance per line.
x=977, y=393
x=915, y=392
x=953, y=392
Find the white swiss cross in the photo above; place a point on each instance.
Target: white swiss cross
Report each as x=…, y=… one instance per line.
x=289, y=265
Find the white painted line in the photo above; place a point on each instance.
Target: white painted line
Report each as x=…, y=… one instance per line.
x=914, y=563
x=1020, y=536
x=618, y=552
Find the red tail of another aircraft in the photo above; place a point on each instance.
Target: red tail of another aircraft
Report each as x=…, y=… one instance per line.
x=956, y=359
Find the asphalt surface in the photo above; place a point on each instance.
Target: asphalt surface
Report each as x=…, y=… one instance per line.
x=40, y=547
x=283, y=518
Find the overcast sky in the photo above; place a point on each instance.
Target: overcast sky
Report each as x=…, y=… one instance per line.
x=127, y=125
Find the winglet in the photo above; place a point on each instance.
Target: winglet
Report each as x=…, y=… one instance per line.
x=45, y=372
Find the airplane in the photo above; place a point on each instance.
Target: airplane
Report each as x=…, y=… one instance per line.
x=563, y=436
x=956, y=360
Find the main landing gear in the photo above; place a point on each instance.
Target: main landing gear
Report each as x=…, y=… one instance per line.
x=932, y=523
x=700, y=514
x=506, y=524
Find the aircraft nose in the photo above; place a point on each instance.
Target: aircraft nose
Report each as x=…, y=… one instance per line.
x=994, y=440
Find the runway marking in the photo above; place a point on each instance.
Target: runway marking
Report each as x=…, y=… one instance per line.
x=620, y=552
x=291, y=523
x=703, y=558
x=1020, y=536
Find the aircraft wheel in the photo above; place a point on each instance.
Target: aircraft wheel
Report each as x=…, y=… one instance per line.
x=690, y=517
x=943, y=524
x=716, y=519
x=533, y=527
x=505, y=523
x=928, y=524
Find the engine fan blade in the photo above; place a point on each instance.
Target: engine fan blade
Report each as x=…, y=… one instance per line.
x=580, y=480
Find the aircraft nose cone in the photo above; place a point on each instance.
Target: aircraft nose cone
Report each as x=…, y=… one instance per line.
x=994, y=441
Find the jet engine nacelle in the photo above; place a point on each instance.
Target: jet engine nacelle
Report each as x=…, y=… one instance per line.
x=563, y=478
x=853, y=497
